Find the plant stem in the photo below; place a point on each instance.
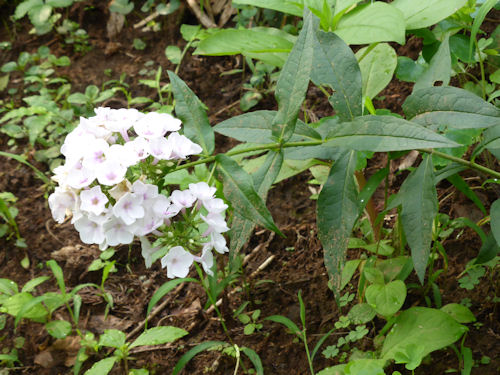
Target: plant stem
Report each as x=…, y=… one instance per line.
x=304, y=338
x=370, y=207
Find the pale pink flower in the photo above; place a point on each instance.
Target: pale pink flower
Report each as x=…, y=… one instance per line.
x=178, y=261
x=206, y=260
x=129, y=208
x=215, y=206
x=202, y=191
x=155, y=125
x=182, y=198
x=93, y=200
x=61, y=203
x=111, y=172
x=117, y=232
x=90, y=231
x=215, y=222
x=182, y=146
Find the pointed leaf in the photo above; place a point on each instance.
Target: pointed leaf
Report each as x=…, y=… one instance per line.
x=451, y=107
x=384, y=133
x=292, y=84
x=163, y=290
x=58, y=328
x=423, y=13
x=337, y=210
x=113, y=338
x=386, y=299
x=102, y=367
x=207, y=345
x=240, y=191
x=370, y=23
x=194, y=117
x=419, y=325
x=495, y=220
x=241, y=228
x=419, y=208
x=255, y=359
x=439, y=68
x=335, y=65
x=286, y=322
x=159, y=335
x=255, y=127
x=377, y=68
x=285, y=6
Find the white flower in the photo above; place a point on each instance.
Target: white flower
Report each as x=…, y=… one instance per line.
x=182, y=198
x=129, y=208
x=139, y=147
x=95, y=153
x=160, y=148
x=90, y=230
x=178, y=261
x=202, y=191
x=218, y=242
x=147, y=251
x=93, y=200
x=111, y=172
x=215, y=206
x=206, y=260
x=61, y=203
x=79, y=177
x=147, y=191
x=155, y=125
x=117, y=232
x=164, y=208
x=182, y=146
x=216, y=223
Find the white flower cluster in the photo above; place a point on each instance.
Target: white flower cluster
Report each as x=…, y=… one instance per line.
x=107, y=209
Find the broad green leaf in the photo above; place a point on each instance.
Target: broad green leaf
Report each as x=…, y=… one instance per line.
x=284, y=6
x=361, y=313
x=255, y=359
x=9, y=287
x=333, y=370
x=348, y=271
x=194, y=117
x=121, y=6
x=451, y=107
x=15, y=304
x=263, y=178
x=102, y=367
x=25, y=6
x=40, y=15
x=384, y=133
x=286, y=322
x=255, y=127
x=266, y=44
x=419, y=208
x=478, y=20
x=377, y=67
x=112, y=338
x=337, y=210
x=460, y=313
x=489, y=250
x=334, y=65
x=462, y=186
x=386, y=299
x=293, y=81
x=365, y=366
x=408, y=70
x=423, y=13
x=495, y=220
x=419, y=325
x=240, y=191
x=370, y=23
x=58, y=328
x=439, y=69
x=60, y=3
x=207, y=345
x=492, y=138
x=289, y=168
x=163, y=290
x=36, y=125
x=159, y=335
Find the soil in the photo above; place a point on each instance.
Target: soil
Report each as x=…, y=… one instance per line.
x=296, y=262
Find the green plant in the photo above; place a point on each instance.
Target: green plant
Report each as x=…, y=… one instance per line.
x=75, y=36
x=8, y=213
x=41, y=13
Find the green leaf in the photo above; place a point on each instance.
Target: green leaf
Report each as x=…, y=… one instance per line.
x=293, y=81
x=408, y=70
x=459, y=312
x=77, y=98
x=240, y=191
x=424, y=13
x=495, y=220
x=439, y=68
x=377, y=68
x=489, y=250
x=9, y=67
x=194, y=117
x=32, y=284
x=9, y=287
x=58, y=328
x=462, y=186
x=36, y=125
x=419, y=208
x=384, y=133
x=286, y=322
x=241, y=228
x=163, y=290
x=39, y=15
x=335, y=65
x=255, y=359
x=348, y=272
x=266, y=44
x=59, y=3
x=419, y=325
x=336, y=213
x=451, y=107
x=25, y=6
x=121, y=6
x=58, y=274
x=290, y=7
x=207, y=345
x=386, y=299
x=173, y=53
x=102, y=367
x=370, y=23
x=361, y=313
x=112, y=338
x=159, y=335
x=255, y=127
x=16, y=303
